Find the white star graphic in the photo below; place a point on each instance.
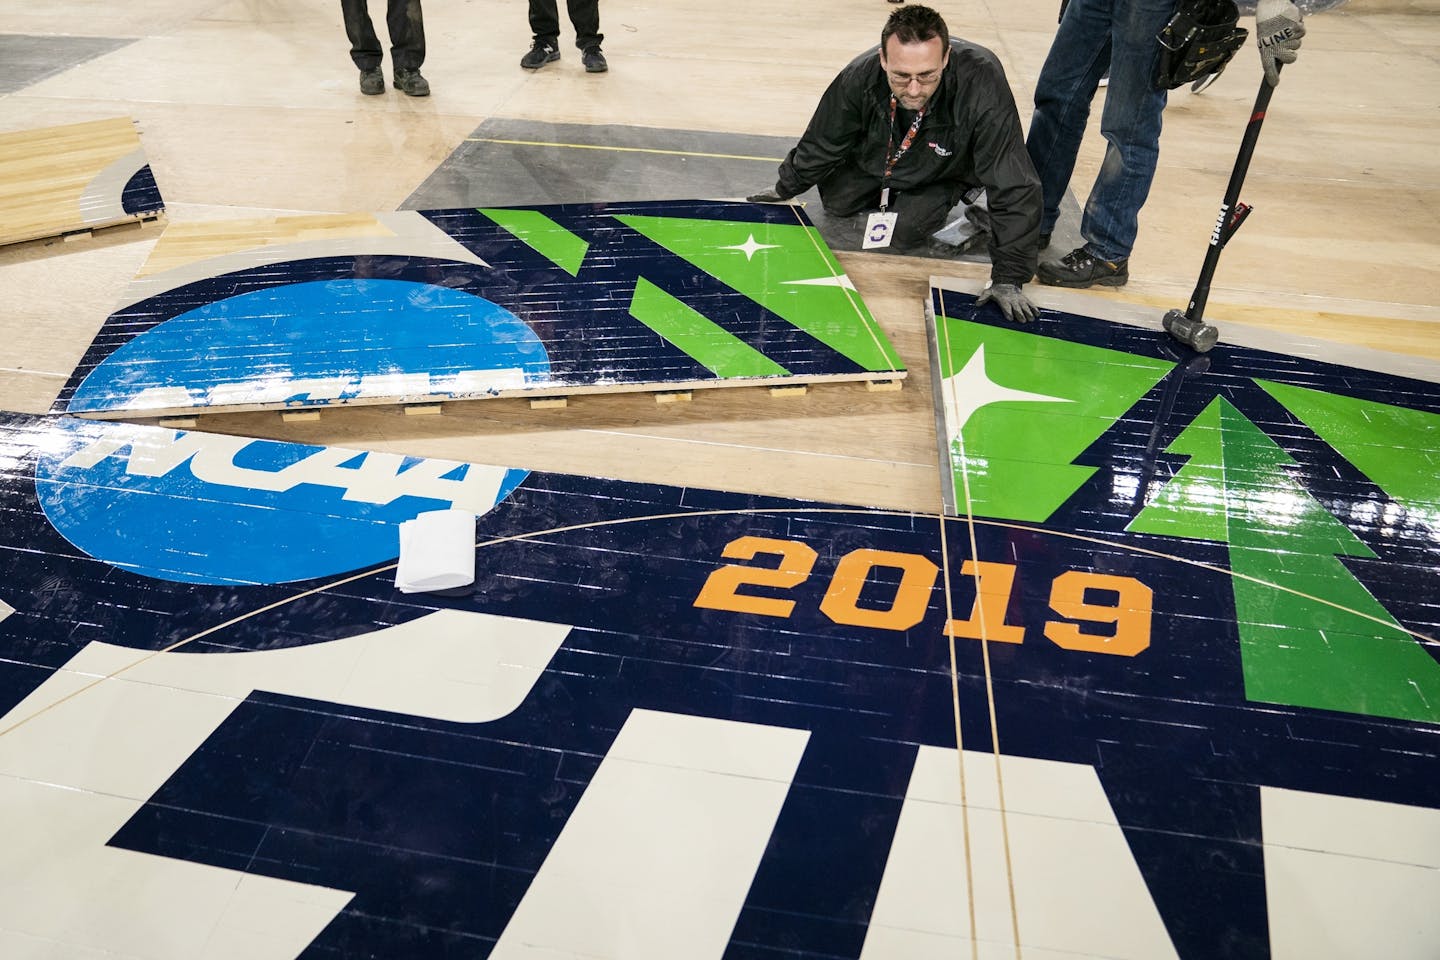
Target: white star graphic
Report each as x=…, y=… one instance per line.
x=750, y=246
x=971, y=389
x=843, y=280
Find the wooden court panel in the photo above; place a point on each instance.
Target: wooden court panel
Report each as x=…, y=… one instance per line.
x=1316, y=486
x=465, y=304
x=62, y=180
x=676, y=722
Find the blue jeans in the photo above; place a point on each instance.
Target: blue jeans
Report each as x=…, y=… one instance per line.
x=1094, y=35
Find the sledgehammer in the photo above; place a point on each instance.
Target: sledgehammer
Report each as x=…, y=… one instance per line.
x=1189, y=326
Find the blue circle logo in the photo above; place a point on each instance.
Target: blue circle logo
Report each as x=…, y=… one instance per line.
x=319, y=341
x=205, y=508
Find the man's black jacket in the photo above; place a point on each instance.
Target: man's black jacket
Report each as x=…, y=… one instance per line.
x=970, y=136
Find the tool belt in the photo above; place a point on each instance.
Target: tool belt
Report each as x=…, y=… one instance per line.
x=1198, y=41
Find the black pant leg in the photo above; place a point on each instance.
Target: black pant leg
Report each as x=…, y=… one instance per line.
x=585, y=15
x=847, y=191
x=545, y=20
x=920, y=212
x=364, y=45
x=407, y=34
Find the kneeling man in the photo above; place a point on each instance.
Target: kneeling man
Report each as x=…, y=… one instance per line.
x=905, y=131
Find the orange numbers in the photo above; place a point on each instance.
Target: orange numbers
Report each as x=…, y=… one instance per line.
x=721, y=590
x=994, y=582
x=1130, y=613
x=1123, y=604
x=912, y=595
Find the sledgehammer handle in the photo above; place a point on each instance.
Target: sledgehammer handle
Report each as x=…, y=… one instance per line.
x=1225, y=223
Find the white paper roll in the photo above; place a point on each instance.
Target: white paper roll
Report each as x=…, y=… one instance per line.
x=437, y=551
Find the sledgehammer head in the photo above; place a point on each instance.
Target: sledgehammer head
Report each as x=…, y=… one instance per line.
x=1195, y=334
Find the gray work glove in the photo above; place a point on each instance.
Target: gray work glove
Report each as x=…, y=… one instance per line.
x=1007, y=296
x=1279, y=25
x=767, y=196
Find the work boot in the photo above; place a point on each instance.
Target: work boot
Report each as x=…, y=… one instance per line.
x=594, y=60
x=372, y=81
x=410, y=83
x=1080, y=268
x=539, y=55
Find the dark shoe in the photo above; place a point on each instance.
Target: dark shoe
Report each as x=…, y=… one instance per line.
x=372, y=81
x=411, y=83
x=539, y=55
x=594, y=60
x=1079, y=268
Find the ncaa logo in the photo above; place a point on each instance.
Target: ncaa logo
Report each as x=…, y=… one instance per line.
x=211, y=509
x=280, y=344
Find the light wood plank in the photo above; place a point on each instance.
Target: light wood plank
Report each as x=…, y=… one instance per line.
x=45, y=173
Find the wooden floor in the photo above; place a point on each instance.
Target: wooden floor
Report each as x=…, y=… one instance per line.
x=250, y=109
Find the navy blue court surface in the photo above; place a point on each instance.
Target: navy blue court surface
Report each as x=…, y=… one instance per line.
x=672, y=722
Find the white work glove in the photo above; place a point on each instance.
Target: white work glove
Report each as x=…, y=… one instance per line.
x=1279, y=25
x=1016, y=307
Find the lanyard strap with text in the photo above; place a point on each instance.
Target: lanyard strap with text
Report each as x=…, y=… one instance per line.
x=893, y=158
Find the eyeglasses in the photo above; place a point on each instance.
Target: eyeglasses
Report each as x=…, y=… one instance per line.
x=924, y=79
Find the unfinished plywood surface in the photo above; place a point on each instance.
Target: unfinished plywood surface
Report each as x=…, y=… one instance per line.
x=220, y=713
x=465, y=304
x=59, y=180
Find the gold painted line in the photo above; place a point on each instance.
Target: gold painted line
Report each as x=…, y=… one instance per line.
x=596, y=146
x=970, y=525
x=954, y=663
x=959, y=737
x=873, y=326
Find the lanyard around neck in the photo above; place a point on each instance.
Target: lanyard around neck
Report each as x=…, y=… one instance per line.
x=892, y=156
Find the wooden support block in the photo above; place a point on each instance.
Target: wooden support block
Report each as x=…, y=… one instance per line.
x=184, y=423
x=129, y=226
x=549, y=403
x=877, y=386
x=74, y=235
x=792, y=390
x=299, y=416
x=673, y=396
x=423, y=410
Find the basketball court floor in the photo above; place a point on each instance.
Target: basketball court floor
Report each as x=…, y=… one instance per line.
x=1077, y=645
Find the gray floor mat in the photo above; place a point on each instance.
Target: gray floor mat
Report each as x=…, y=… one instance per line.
x=27, y=59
